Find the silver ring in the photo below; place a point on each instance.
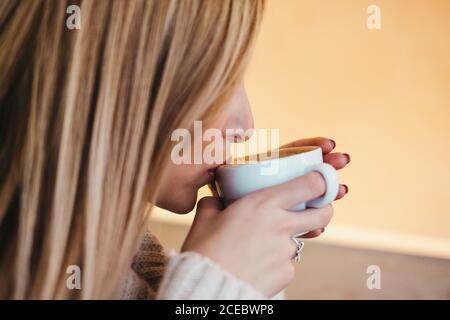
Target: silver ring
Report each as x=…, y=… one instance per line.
x=299, y=246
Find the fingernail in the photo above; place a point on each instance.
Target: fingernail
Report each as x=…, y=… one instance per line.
x=348, y=157
x=346, y=188
x=334, y=143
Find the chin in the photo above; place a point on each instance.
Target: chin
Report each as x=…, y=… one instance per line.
x=179, y=204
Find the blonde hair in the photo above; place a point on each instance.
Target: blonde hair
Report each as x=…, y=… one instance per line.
x=85, y=121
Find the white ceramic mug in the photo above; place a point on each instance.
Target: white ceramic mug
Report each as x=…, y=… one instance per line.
x=234, y=181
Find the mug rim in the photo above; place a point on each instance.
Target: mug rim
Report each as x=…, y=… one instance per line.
x=230, y=166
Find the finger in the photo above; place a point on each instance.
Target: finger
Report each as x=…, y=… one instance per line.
x=343, y=190
x=207, y=207
x=337, y=160
x=209, y=204
x=312, y=234
x=310, y=219
x=287, y=195
x=326, y=144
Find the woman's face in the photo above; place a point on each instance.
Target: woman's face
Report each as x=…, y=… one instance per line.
x=180, y=185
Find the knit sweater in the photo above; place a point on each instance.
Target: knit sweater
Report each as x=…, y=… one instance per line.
x=188, y=275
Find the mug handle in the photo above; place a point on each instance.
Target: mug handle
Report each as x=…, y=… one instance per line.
x=332, y=185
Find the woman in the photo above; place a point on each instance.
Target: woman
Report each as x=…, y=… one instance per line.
x=85, y=122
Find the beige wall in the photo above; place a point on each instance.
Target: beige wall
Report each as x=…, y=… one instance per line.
x=384, y=96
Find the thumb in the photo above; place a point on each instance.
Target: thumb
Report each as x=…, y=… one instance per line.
x=207, y=208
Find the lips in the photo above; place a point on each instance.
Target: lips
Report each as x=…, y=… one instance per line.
x=211, y=174
x=207, y=177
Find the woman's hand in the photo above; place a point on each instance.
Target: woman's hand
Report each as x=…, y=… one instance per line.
x=251, y=237
x=336, y=159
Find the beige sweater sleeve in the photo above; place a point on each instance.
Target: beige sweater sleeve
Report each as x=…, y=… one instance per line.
x=192, y=276
x=189, y=275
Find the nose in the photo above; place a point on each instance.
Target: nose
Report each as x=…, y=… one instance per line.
x=240, y=123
